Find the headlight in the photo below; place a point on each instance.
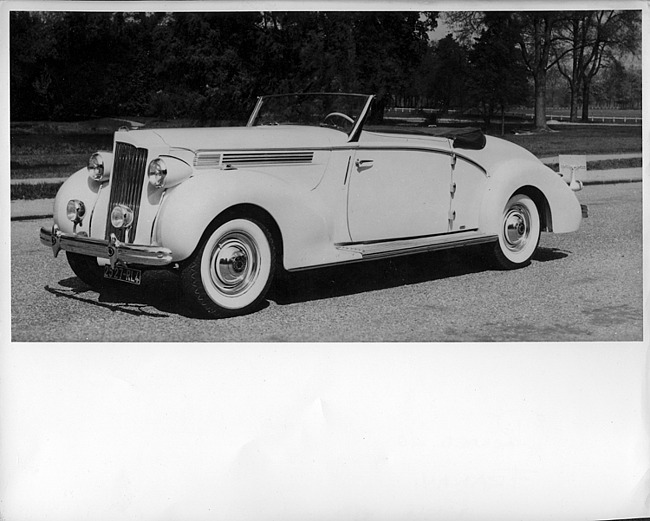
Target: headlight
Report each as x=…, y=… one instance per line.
x=121, y=216
x=99, y=166
x=157, y=172
x=75, y=210
x=167, y=171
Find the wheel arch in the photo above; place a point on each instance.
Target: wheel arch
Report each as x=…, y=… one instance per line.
x=543, y=207
x=243, y=211
x=557, y=206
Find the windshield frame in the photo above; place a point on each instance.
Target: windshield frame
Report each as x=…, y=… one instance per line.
x=355, y=131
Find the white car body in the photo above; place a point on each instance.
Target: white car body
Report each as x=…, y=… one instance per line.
x=327, y=196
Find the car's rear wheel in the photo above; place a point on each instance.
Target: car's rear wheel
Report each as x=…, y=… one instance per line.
x=86, y=269
x=232, y=269
x=519, y=233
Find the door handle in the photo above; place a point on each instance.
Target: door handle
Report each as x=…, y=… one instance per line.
x=364, y=163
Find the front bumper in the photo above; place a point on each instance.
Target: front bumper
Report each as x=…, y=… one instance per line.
x=115, y=251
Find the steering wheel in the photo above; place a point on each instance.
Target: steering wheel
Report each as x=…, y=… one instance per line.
x=338, y=115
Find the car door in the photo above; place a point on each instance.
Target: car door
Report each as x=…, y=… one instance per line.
x=398, y=193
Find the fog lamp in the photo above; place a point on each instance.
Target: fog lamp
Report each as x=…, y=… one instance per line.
x=75, y=210
x=121, y=216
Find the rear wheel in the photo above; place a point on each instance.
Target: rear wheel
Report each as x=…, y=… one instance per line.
x=232, y=270
x=519, y=233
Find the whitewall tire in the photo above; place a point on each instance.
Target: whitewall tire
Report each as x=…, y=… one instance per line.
x=519, y=233
x=232, y=269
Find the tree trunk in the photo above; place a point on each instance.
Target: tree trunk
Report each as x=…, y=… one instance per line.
x=585, y=102
x=573, y=115
x=574, y=82
x=503, y=120
x=540, y=100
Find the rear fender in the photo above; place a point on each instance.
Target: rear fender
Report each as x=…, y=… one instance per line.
x=558, y=206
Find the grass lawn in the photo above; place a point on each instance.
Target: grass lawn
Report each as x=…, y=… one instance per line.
x=54, y=155
x=34, y=191
x=581, y=139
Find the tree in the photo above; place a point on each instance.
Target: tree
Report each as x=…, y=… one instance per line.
x=615, y=30
x=374, y=52
x=449, y=71
x=34, y=42
x=208, y=66
x=389, y=47
x=535, y=32
x=536, y=39
x=618, y=86
x=498, y=77
x=591, y=38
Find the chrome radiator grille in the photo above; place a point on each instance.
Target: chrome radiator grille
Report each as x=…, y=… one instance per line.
x=127, y=180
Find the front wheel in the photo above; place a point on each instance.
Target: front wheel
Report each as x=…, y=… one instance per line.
x=232, y=270
x=519, y=233
x=86, y=269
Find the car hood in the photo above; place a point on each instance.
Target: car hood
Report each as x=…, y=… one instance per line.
x=232, y=138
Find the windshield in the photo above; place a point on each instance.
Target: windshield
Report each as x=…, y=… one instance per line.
x=338, y=111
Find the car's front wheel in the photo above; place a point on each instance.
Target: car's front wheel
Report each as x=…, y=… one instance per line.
x=86, y=269
x=232, y=269
x=519, y=233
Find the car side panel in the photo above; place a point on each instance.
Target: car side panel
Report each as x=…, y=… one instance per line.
x=306, y=218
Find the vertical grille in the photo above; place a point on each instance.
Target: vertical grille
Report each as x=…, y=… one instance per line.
x=127, y=181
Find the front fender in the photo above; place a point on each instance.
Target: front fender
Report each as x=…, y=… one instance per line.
x=516, y=175
x=77, y=186
x=189, y=208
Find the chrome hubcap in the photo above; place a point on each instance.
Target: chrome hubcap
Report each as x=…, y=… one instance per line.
x=235, y=264
x=516, y=227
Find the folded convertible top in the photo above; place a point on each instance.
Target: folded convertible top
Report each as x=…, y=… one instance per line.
x=467, y=137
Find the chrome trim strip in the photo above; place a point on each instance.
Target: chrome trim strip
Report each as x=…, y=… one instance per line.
x=247, y=157
x=356, y=146
x=268, y=157
x=412, y=238
x=256, y=110
x=472, y=162
x=114, y=250
x=471, y=241
x=450, y=153
x=468, y=241
x=353, y=136
x=431, y=247
x=207, y=159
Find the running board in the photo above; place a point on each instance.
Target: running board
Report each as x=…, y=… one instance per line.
x=378, y=250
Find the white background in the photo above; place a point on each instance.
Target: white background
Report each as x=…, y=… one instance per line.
x=283, y=432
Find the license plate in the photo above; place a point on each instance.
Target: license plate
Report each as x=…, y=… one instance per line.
x=130, y=275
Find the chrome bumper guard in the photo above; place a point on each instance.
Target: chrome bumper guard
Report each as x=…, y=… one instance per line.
x=115, y=251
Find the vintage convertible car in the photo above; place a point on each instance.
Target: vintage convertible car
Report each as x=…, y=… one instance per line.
x=304, y=184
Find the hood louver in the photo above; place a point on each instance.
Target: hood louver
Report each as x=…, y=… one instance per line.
x=206, y=159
